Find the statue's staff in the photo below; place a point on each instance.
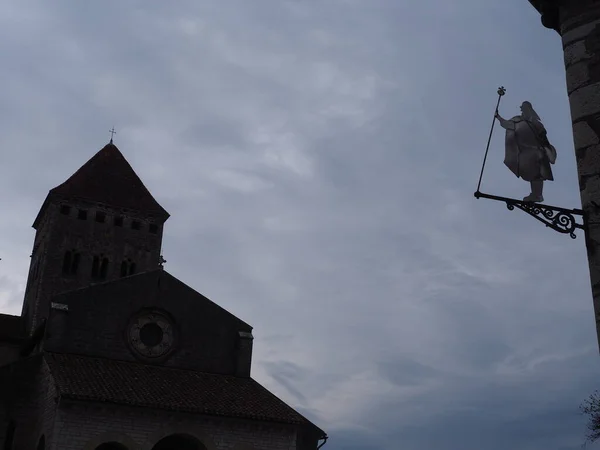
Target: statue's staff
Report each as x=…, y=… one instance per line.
x=501, y=92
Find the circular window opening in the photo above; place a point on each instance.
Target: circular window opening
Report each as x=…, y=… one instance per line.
x=151, y=334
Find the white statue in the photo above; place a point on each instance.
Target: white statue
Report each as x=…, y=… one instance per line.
x=528, y=154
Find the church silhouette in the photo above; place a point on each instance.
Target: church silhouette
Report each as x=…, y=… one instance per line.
x=112, y=352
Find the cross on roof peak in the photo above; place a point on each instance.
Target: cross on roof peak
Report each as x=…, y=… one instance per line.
x=112, y=133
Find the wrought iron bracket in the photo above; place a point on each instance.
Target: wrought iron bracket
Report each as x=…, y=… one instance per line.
x=559, y=219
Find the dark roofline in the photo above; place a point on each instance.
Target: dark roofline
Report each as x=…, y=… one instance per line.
x=307, y=422
x=12, y=329
x=161, y=272
x=317, y=431
x=215, y=304
x=69, y=189
x=92, y=399
x=53, y=197
x=536, y=5
x=38, y=217
x=297, y=420
x=548, y=10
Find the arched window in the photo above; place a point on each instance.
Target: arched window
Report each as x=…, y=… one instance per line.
x=104, y=268
x=75, y=263
x=95, y=267
x=71, y=262
x=99, y=267
x=111, y=446
x=180, y=442
x=124, y=269
x=127, y=268
x=41, y=443
x=67, y=262
x=10, y=436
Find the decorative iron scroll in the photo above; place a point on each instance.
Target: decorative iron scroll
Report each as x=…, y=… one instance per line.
x=559, y=219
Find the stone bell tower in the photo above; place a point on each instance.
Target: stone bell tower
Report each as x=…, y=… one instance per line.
x=578, y=23
x=99, y=225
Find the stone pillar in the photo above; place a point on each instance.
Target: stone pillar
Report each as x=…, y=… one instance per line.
x=578, y=23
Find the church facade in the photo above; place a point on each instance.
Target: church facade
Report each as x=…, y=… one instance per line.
x=111, y=352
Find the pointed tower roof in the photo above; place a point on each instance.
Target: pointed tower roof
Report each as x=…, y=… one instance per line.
x=108, y=178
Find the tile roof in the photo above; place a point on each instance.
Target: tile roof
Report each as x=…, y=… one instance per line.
x=108, y=178
x=98, y=379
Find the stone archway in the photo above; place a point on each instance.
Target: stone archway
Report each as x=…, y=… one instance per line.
x=179, y=442
x=111, y=446
x=10, y=435
x=111, y=441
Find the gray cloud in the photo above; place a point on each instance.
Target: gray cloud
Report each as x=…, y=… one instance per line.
x=319, y=160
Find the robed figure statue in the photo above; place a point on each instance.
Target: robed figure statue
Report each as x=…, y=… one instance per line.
x=528, y=154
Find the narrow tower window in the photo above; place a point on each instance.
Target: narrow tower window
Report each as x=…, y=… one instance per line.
x=104, y=268
x=118, y=221
x=82, y=214
x=95, y=267
x=67, y=262
x=136, y=225
x=100, y=267
x=153, y=228
x=127, y=268
x=75, y=263
x=65, y=209
x=100, y=216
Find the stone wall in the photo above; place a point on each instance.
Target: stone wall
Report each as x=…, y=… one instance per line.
x=62, y=229
x=34, y=405
x=580, y=31
x=207, y=337
x=9, y=352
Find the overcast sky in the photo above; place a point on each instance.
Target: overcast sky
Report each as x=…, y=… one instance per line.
x=318, y=159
